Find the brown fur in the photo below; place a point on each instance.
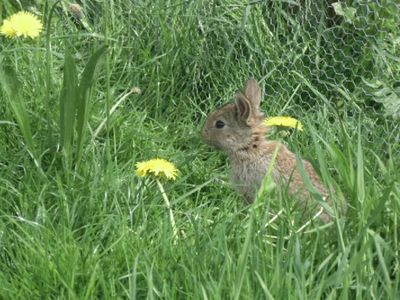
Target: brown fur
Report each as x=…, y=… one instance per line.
x=242, y=138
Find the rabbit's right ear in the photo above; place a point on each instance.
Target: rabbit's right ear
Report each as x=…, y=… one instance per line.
x=244, y=108
x=252, y=92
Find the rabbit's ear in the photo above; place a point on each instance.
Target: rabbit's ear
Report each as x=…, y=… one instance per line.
x=244, y=108
x=253, y=93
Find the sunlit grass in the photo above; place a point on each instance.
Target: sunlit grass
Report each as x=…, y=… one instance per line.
x=77, y=222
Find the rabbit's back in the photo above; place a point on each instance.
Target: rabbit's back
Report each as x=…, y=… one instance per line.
x=248, y=170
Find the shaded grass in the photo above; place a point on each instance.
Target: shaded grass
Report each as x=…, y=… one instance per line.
x=98, y=231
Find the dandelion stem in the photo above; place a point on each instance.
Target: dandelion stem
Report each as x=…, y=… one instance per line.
x=168, y=204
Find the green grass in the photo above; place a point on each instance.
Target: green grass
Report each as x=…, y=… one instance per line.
x=77, y=223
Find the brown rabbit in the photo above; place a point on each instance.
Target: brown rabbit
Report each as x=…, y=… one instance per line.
x=238, y=130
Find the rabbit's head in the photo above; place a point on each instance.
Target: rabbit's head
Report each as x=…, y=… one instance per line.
x=234, y=126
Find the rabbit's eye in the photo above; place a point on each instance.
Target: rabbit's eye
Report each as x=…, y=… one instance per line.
x=219, y=124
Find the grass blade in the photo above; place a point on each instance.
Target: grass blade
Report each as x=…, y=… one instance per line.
x=68, y=99
x=360, y=182
x=84, y=91
x=12, y=88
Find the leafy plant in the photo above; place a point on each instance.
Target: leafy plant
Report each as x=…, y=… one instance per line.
x=389, y=96
x=74, y=104
x=12, y=91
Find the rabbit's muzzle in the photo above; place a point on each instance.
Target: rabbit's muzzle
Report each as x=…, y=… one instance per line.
x=206, y=137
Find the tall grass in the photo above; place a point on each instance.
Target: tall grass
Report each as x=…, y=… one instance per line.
x=76, y=222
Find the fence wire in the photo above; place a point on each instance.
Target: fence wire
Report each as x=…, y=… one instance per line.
x=342, y=54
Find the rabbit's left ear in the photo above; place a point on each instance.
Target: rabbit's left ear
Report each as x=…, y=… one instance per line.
x=244, y=108
x=252, y=92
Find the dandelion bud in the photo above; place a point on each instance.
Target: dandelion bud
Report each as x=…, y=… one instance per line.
x=76, y=11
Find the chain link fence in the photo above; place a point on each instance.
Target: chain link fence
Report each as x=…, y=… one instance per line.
x=340, y=54
x=309, y=54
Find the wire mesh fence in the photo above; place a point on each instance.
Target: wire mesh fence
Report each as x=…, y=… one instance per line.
x=311, y=55
x=339, y=54
x=343, y=49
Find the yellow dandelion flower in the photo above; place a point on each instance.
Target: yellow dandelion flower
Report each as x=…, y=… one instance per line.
x=7, y=29
x=22, y=24
x=284, y=121
x=157, y=167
